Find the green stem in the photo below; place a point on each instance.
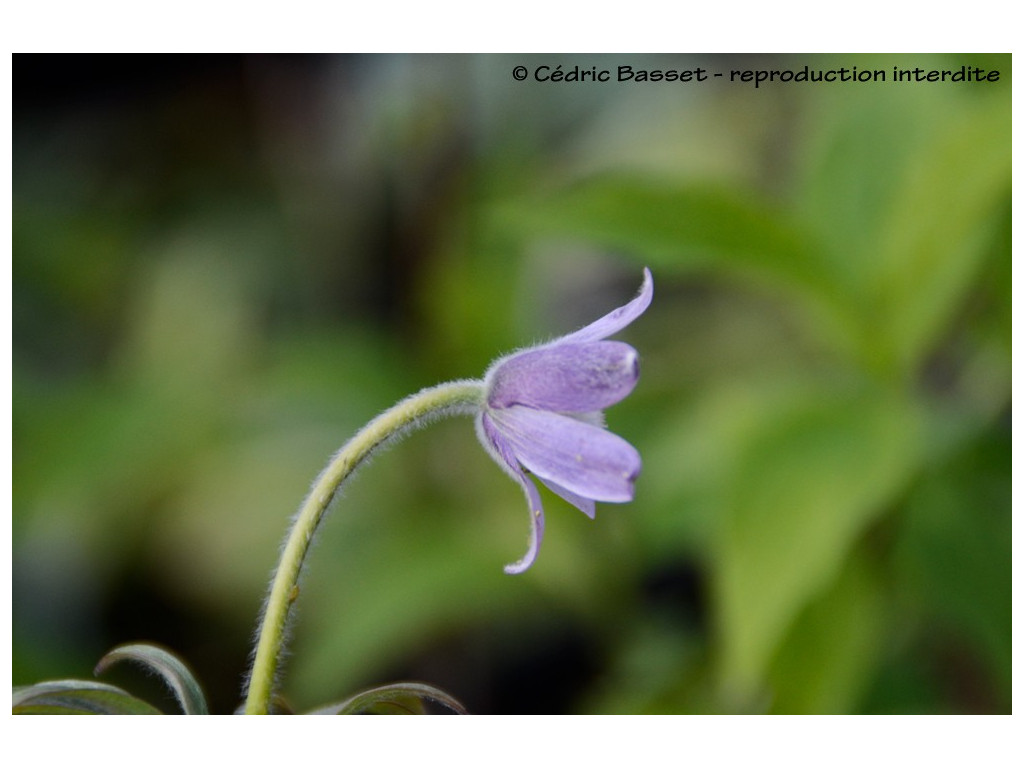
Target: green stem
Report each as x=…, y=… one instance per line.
x=457, y=397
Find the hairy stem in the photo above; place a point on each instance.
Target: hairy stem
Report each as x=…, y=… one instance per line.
x=457, y=397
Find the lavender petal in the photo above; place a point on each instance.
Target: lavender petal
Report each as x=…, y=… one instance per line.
x=536, y=529
x=573, y=378
x=503, y=454
x=586, y=506
x=617, y=319
x=585, y=460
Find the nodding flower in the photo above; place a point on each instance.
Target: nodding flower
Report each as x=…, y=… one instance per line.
x=542, y=415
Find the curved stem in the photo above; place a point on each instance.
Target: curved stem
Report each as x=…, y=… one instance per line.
x=457, y=397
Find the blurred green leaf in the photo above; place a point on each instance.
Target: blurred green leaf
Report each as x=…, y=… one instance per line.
x=170, y=668
x=78, y=697
x=657, y=668
x=468, y=307
x=680, y=227
x=939, y=228
x=191, y=333
x=813, y=470
x=903, y=187
x=954, y=555
x=52, y=238
x=395, y=695
x=827, y=660
x=854, y=148
x=363, y=612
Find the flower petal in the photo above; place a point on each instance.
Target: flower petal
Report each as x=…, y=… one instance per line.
x=499, y=449
x=586, y=506
x=574, y=378
x=585, y=460
x=617, y=319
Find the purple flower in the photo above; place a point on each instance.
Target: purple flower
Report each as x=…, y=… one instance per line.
x=542, y=415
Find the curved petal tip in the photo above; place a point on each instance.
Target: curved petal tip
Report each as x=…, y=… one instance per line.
x=536, y=534
x=617, y=319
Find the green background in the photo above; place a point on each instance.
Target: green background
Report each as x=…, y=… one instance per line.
x=224, y=266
